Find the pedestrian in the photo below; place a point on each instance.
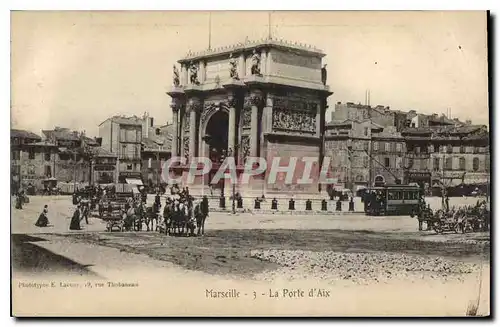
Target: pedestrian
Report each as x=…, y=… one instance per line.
x=75, y=220
x=43, y=220
x=85, y=213
x=19, y=201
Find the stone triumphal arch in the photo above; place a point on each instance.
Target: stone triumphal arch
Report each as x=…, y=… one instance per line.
x=260, y=99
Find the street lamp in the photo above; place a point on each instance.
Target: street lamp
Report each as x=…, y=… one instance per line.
x=160, y=144
x=231, y=153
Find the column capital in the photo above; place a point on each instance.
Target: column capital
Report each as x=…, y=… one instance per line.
x=254, y=99
x=176, y=105
x=232, y=100
x=194, y=104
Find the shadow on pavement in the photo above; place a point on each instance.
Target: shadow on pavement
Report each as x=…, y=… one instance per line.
x=31, y=258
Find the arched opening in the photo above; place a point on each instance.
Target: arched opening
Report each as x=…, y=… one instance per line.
x=215, y=138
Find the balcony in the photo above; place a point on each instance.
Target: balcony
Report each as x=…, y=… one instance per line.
x=129, y=158
x=421, y=155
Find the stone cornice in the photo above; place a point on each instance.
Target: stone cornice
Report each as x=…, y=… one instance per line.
x=250, y=45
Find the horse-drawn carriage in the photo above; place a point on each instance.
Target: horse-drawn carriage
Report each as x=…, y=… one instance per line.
x=465, y=219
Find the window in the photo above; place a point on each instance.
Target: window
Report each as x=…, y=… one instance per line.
x=48, y=171
x=387, y=147
x=47, y=156
x=31, y=154
x=124, y=151
x=398, y=147
x=431, y=148
x=475, y=164
x=123, y=135
x=129, y=167
x=375, y=146
x=387, y=162
x=462, y=149
x=16, y=155
x=410, y=163
x=448, y=165
x=366, y=145
x=149, y=162
x=461, y=163
x=435, y=166
x=158, y=131
x=399, y=162
x=449, y=149
x=417, y=149
x=423, y=164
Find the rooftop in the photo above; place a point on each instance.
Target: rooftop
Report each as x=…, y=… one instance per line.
x=19, y=133
x=133, y=120
x=447, y=130
x=150, y=143
x=103, y=153
x=250, y=45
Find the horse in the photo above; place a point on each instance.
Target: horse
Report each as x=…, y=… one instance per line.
x=129, y=218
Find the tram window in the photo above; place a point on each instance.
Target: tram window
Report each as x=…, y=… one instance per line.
x=399, y=196
x=406, y=195
x=392, y=196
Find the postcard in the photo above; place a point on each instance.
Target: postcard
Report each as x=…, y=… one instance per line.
x=250, y=163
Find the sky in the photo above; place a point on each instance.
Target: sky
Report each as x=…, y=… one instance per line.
x=75, y=69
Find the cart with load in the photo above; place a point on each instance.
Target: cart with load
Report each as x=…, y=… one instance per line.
x=446, y=222
x=113, y=215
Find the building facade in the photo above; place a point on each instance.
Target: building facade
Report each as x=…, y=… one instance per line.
x=104, y=166
x=73, y=163
x=452, y=157
x=32, y=160
x=122, y=136
x=258, y=99
x=363, y=153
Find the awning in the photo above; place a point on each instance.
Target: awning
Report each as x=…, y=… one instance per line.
x=133, y=181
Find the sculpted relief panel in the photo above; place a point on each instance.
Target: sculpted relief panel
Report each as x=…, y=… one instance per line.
x=246, y=117
x=294, y=116
x=245, y=147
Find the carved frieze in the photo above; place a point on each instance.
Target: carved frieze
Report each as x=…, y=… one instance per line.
x=245, y=147
x=246, y=117
x=186, y=122
x=294, y=116
x=185, y=146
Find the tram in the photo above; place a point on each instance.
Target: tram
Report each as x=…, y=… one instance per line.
x=392, y=200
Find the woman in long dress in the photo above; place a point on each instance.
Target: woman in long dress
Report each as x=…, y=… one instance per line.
x=75, y=220
x=43, y=220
